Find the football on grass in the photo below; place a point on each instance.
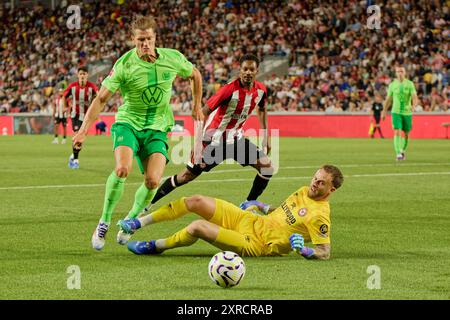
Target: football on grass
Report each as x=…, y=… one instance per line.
x=226, y=269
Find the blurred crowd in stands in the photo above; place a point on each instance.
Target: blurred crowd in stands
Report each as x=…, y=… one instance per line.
x=336, y=63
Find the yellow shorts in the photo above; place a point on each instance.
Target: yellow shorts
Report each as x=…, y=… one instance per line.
x=237, y=233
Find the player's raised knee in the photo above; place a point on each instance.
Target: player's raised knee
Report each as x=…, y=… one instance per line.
x=193, y=203
x=122, y=171
x=267, y=171
x=151, y=182
x=197, y=228
x=265, y=167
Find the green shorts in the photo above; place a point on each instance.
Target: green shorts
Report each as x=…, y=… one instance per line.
x=402, y=122
x=143, y=143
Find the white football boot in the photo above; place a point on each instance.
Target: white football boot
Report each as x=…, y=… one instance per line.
x=98, y=237
x=122, y=237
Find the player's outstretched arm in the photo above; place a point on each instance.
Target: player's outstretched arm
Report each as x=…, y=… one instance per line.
x=53, y=109
x=66, y=108
x=97, y=105
x=206, y=111
x=263, y=124
x=415, y=101
x=321, y=251
x=387, y=104
x=197, y=93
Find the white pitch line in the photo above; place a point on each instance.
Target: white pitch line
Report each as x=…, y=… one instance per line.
x=396, y=174
x=235, y=180
x=396, y=165
x=346, y=176
x=56, y=186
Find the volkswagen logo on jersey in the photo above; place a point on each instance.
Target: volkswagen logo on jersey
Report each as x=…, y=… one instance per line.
x=152, y=96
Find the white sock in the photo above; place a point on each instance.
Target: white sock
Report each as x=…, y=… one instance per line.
x=160, y=244
x=146, y=220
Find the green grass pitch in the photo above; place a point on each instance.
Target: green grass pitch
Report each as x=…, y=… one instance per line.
x=392, y=215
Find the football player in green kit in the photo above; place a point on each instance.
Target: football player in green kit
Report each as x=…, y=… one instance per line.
x=403, y=97
x=144, y=76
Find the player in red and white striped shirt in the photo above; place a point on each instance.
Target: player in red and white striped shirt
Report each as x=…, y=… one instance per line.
x=80, y=94
x=59, y=115
x=227, y=112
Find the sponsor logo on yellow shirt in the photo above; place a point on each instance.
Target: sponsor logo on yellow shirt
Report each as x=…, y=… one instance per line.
x=290, y=219
x=323, y=229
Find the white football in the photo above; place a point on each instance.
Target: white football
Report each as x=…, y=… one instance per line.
x=226, y=269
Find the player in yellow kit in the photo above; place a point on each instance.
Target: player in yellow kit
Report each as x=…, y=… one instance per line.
x=303, y=216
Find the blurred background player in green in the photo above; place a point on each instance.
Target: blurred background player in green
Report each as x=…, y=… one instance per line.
x=403, y=98
x=144, y=76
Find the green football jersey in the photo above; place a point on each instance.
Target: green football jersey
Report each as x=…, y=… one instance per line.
x=146, y=88
x=401, y=93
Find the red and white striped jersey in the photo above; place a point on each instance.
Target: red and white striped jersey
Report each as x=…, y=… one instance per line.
x=58, y=111
x=232, y=105
x=81, y=98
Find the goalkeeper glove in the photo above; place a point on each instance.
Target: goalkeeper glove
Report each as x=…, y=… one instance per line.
x=298, y=245
x=297, y=242
x=251, y=205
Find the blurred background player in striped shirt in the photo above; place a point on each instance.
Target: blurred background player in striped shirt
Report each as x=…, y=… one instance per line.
x=59, y=115
x=80, y=94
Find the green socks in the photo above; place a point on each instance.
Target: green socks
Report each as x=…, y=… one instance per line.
x=400, y=144
x=404, y=143
x=397, y=144
x=113, y=193
x=142, y=198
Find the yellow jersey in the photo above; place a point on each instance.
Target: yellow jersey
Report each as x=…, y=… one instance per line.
x=297, y=214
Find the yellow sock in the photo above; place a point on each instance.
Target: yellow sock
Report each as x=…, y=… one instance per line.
x=171, y=211
x=180, y=239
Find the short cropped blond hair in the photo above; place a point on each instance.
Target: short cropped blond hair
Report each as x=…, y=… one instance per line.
x=338, y=178
x=143, y=23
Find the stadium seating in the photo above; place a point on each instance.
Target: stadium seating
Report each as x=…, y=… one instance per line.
x=335, y=62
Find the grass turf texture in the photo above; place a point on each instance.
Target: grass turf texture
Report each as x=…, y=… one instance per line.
x=388, y=214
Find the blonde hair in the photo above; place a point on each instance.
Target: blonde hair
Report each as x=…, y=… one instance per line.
x=338, y=178
x=143, y=23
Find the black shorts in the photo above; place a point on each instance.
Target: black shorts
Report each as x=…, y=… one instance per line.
x=377, y=119
x=100, y=128
x=61, y=120
x=243, y=151
x=76, y=124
